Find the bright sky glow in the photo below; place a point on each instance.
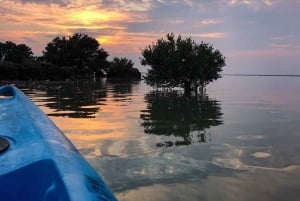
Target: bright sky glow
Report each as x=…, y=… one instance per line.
x=256, y=36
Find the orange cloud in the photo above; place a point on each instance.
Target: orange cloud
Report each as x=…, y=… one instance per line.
x=41, y=22
x=127, y=42
x=89, y=17
x=36, y=24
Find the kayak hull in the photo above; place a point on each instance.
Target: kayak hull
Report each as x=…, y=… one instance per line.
x=39, y=162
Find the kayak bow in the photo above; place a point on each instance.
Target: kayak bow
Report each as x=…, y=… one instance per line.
x=37, y=161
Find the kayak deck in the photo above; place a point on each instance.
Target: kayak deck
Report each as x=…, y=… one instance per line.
x=24, y=184
x=37, y=161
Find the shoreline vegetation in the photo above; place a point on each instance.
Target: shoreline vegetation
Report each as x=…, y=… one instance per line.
x=173, y=62
x=48, y=71
x=77, y=57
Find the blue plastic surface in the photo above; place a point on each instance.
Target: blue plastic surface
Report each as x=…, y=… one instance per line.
x=41, y=163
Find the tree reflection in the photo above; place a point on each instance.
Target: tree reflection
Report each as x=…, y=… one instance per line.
x=121, y=88
x=70, y=99
x=186, y=117
x=78, y=99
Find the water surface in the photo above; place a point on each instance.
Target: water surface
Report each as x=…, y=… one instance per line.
x=238, y=142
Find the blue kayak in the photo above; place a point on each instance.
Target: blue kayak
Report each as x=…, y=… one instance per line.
x=37, y=161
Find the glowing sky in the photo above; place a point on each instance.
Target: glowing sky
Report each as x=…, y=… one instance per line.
x=256, y=36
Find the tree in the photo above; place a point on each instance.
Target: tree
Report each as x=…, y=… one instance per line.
x=123, y=67
x=23, y=53
x=79, y=50
x=12, y=52
x=182, y=63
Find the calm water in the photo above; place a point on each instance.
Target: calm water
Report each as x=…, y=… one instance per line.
x=240, y=142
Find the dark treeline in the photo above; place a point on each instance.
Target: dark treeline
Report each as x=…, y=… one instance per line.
x=34, y=70
x=76, y=57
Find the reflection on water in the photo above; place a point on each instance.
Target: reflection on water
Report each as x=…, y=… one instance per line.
x=69, y=99
x=128, y=132
x=185, y=117
x=76, y=99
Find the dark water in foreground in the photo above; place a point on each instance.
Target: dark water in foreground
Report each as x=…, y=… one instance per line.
x=240, y=142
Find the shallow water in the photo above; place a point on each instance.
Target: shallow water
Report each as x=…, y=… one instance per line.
x=239, y=142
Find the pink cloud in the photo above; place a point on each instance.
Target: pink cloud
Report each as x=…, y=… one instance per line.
x=214, y=35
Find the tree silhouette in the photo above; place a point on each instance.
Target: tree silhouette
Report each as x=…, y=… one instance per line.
x=123, y=68
x=182, y=63
x=79, y=50
x=14, y=53
x=174, y=114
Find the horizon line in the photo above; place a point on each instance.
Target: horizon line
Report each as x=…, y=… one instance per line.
x=261, y=75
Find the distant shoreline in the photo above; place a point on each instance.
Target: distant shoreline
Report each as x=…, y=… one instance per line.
x=262, y=75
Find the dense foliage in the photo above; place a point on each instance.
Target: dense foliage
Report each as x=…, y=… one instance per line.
x=32, y=70
x=12, y=52
x=76, y=57
x=79, y=51
x=123, y=68
x=182, y=63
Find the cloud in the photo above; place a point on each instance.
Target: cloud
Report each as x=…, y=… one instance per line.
x=239, y=27
x=133, y=42
x=128, y=5
x=214, y=35
x=41, y=22
x=209, y=22
x=290, y=43
x=46, y=2
x=255, y=4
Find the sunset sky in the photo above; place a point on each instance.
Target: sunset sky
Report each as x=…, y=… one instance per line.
x=256, y=36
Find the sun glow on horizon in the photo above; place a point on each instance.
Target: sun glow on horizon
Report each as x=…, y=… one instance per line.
x=89, y=17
